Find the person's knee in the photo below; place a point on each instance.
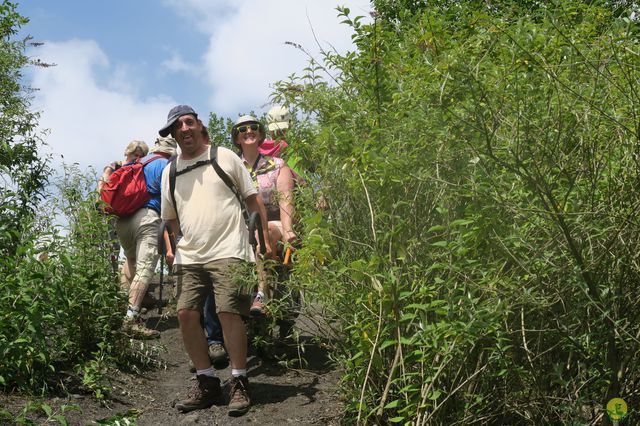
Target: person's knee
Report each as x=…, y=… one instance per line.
x=230, y=319
x=188, y=317
x=274, y=232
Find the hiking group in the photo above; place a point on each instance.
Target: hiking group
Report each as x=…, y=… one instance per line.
x=204, y=196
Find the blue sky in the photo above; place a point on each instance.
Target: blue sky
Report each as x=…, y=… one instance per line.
x=121, y=65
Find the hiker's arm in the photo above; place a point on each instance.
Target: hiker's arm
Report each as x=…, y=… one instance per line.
x=169, y=255
x=254, y=204
x=170, y=233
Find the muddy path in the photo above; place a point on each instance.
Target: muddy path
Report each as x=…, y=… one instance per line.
x=294, y=384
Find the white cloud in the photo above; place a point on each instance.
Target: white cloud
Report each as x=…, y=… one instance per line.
x=203, y=14
x=91, y=102
x=177, y=64
x=247, y=53
x=90, y=124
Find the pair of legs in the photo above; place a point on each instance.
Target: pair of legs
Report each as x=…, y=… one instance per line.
x=195, y=283
x=138, y=237
x=195, y=343
x=275, y=237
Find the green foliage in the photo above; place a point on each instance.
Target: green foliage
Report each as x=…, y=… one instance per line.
x=477, y=243
x=23, y=173
x=122, y=419
x=61, y=308
x=220, y=131
x=60, y=304
x=44, y=412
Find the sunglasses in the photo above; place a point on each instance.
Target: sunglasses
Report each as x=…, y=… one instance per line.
x=254, y=127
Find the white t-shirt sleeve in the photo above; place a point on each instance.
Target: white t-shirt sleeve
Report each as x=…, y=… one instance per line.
x=167, y=209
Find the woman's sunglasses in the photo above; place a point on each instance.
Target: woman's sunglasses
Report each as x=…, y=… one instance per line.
x=254, y=127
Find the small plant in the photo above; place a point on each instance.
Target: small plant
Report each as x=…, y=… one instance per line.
x=124, y=419
x=32, y=414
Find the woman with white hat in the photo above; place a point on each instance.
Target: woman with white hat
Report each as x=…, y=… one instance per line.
x=275, y=184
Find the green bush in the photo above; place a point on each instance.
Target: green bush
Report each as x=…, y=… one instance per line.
x=60, y=305
x=478, y=252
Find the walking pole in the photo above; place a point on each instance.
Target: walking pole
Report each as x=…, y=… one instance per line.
x=161, y=285
x=162, y=250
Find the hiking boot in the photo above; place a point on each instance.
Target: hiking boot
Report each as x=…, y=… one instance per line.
x=239, y=401
x=203, y=394
x=257, y=307
x=134, y=327
x=218, y=356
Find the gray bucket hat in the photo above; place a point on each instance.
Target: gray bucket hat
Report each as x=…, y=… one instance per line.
x=175, y=113
x=165, y=145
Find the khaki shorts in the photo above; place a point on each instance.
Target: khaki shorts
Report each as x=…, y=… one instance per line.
x=227, y=278
x=138, y=235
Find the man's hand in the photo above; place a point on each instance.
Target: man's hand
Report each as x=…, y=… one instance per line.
x=170, y=258
x=268, y=252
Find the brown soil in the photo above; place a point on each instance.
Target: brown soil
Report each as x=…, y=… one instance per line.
x=295, y=384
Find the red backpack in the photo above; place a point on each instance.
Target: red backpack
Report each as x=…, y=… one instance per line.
x=126, y=191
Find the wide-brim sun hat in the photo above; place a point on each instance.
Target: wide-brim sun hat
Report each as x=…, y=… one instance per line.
x=166, y=145
x=278, y=118
x=247, y=119
x=175, y=113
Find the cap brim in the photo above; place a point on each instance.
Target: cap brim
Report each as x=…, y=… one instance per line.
x=166, y=130
x=281, y=125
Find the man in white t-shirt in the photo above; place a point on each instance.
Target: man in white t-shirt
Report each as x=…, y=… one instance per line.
x=210, y=255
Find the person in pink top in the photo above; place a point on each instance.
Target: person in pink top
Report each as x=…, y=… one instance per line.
x=275, y=183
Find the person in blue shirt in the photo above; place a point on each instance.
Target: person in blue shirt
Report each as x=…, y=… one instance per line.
x=138, y=235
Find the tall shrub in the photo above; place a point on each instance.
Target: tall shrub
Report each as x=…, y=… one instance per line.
x=23, y=172
x=478, y=249
x=60, y=307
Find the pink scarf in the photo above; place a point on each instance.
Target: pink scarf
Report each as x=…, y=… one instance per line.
x=272, y=148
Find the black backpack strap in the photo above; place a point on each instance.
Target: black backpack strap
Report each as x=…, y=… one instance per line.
x=213, y=160
x=213, y=157
x=172, y=182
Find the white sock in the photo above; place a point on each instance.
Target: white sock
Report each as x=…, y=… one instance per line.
x=206, y=372
x=132, y=312
x=236, y=372
x=260, y=295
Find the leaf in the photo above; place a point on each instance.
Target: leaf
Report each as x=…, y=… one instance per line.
x=435, y=394
x=47, y=409
x=461, y=222
x=387, y=343
x=392, y=404
x=62, y=420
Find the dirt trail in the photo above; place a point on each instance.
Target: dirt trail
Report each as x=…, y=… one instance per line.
x=299, y=389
